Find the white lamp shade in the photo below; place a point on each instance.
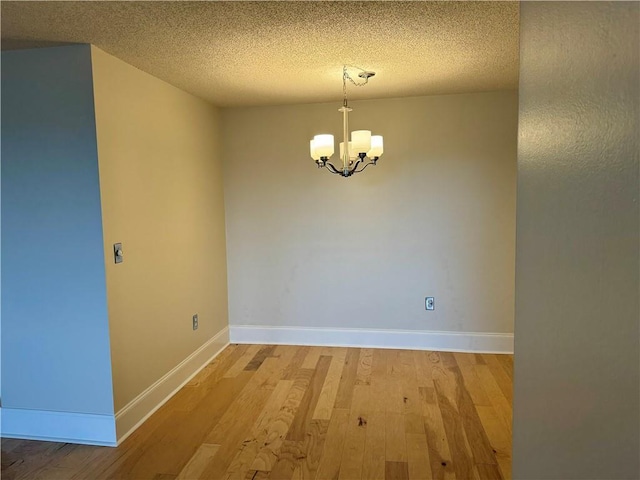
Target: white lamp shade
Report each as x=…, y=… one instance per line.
x=361, y=140
x=352, y=152
x=323, y=145
x=312, y=149
x=377, y=147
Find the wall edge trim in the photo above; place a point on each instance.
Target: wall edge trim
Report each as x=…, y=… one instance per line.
x=476, y=342
x=55, y=426
x=138, y=410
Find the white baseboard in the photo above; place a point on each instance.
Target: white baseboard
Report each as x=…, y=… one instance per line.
x=476, y=342
x=68, y=427
x=132, y=415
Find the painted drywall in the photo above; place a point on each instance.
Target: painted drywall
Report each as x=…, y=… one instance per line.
x=577, y=315
x=435, y=217
x=55, y=334
x=162, y=198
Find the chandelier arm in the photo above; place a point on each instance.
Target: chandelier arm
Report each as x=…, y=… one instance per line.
x=331, y=168
x=365, y=166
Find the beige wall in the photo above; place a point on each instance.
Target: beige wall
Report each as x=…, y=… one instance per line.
x=576, y=402
x=161, y=188
x=435, y=217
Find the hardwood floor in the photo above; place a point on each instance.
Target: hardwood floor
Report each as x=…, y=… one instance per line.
x=282, y=412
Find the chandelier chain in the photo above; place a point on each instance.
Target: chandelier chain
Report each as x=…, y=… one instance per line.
x=345, y=77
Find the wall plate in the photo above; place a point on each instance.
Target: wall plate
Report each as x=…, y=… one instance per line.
x=117, y=252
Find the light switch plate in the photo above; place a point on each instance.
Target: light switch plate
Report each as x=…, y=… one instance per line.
x=117, y=252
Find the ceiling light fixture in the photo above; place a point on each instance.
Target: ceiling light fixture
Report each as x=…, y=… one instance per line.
x=363, y=150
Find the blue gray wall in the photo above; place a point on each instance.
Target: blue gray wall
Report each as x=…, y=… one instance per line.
x=55, y=332
x=577, y=355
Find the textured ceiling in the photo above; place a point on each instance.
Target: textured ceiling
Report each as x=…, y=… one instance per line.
x=259, y=53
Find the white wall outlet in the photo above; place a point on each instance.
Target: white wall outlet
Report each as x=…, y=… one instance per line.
x=430, y=303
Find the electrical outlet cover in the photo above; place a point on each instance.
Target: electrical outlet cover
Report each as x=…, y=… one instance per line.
x=430, y=303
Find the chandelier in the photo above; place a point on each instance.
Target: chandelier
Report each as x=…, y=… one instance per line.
x=363, y=150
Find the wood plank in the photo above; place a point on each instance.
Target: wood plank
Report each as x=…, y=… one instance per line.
x=479, y=359
x=312, y=449
x=288, y=458
x=423, y=369
x=378, y=381
x=330, y=351
x=308, y=404
x=39, y=453
x=348, y=379
x=439, y=455
x=435, y=365
x=196, y=465
x=471, y=381
x=395, y=443
x=219, y=365
x=507, y=363
x=362, y=399
x=396, y=471
x=418, y=456
x=392, y=393
x=243, y=460
x=378, y=391
x=278, y=428
x=251, y=399
x=243, y=361
x=229, y=432
x=269, y=373
x=395, y=365
x=406, y=363
x=488, y=472
x=329, y=391
x=502, y=379
x=302, y=459
x=496, y=397
x=296, y=363
x=193, y=393
x=353, y=453
x=456, y=436
x=102, y=458
x=363, y=373
x=285, y=351
x=498, y=437
x=474, y=431
x=283, y=356
x=413, y=422
x=373, y=464
x=311, y=360
x=329, y=467
x=447, y=359
x=379, y=363
x=256, y=475
x=261, y=356
x=60, y=462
